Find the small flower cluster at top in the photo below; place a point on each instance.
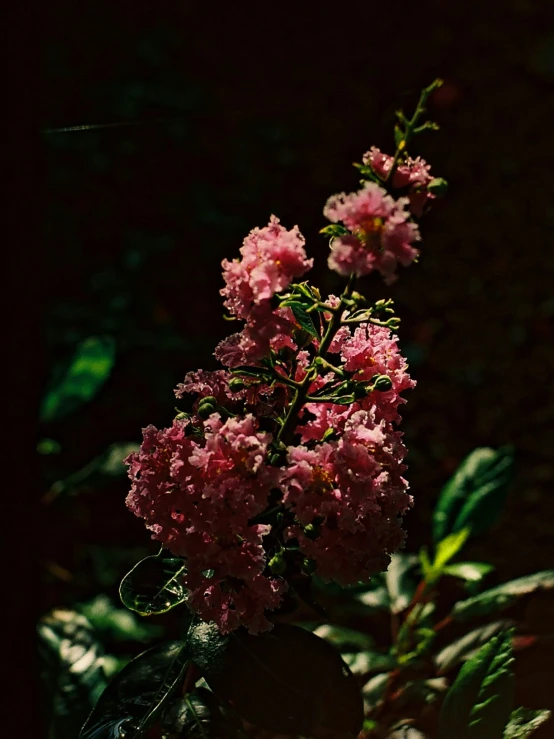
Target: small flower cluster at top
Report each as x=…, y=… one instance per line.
x=290, y=461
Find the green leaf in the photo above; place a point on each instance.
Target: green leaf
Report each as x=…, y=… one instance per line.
x=449, y=547
x=201, y=715
x=469, y=571
x=369, y=661
x=438, y=186
x=286, y=680
x=524, y=721
x=474, y=497
x=479, y=703
x=345, y=639
x=502, y=596
x=373, y=690
x=136, y=695
x=89, y=369
x=377, y=599
x=400, y=582
x=154, y=585
x=116, y=624
x=302, y=317
x=333, y=230
x=465, y=646
x=72, y=662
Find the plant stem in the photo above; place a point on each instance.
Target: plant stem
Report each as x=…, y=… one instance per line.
x=286, y=431
x=410, y=126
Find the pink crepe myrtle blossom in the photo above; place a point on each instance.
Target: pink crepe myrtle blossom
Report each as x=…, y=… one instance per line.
x=271, y=258
x=410, y=173
x=381, y=233
x=266, y=330
x=197, y=499
x=353, y=491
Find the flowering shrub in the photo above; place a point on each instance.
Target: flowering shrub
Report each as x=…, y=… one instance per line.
x=290, y=464
x=281, y=483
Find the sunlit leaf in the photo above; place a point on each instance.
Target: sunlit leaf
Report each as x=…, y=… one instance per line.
x=89, y=369
x=502, y=596
x=374, y=689
x=72, y=666
x=524, y=722
x=469, y=571
x=400, y=581
x=117, y=624
x=466, y=645
x=449, y=547
x=369, y=661
x=345, y=639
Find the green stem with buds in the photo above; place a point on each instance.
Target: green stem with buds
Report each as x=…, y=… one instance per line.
x=286, y=431
x=410, y=126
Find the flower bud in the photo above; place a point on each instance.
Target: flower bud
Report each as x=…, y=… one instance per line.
x=382, y=383
x=277, y=564
x=312, y=531
x=236, y=384
x=207, y=406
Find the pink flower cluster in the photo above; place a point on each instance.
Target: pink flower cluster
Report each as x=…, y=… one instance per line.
x=197, y=498
x=411, y=174
x=200, y=483
x=381, y=234
x=273, y=472
x=272, y=258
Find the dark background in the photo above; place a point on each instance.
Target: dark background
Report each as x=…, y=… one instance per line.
x=247, y=109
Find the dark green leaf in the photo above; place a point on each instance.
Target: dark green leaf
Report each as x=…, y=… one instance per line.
x=503, y=596
x=286, y=680
x=474, y=497
x=154, y=585
x=201, y=715
x=117, y=624
x=480, y=701
x=463, y=648
x=89, y=369
x=524, y=721
x=72, y=669
x=400, y=582
x=137, y=694
x=303, y=319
